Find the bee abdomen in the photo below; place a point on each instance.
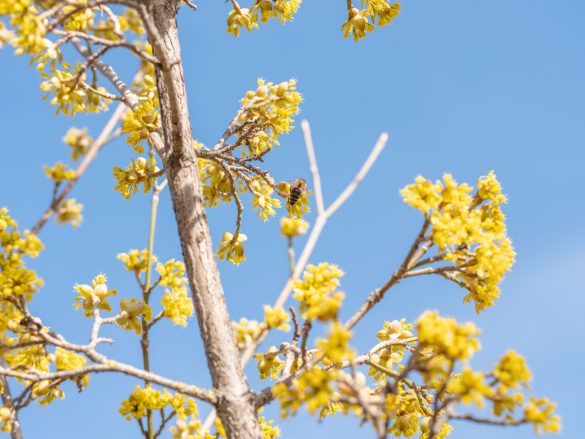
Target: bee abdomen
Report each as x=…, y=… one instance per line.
x=295, y=194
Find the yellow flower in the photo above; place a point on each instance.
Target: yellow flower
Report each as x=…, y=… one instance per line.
x=383, y=10
x=336, y=345
x=59, y=173
x=79, y=142
x=131, y=310
x=262, y=200
x=316, y=292
x=276, y=318
x=246, y=331
x=177, y=306
x=540, y=412
x=470, y=387
x=286, y=9
x=69, y=212
x=422, y=195
x=136, y=260
x=512, y=371
x=313, y=387
x=241, y=17
x=269, y=364
x=357, y=23
x=140, y=122
x=454, y=341
x=172, y=274
x=94, y=296
x=139, y=172
x=67, y=360
x=231, y=248
x=291, y=227
x=271, y=108
x=143, y=399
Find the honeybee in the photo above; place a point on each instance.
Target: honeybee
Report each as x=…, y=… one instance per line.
x=297, y=188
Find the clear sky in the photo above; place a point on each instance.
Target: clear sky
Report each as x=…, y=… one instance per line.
x=460, y=86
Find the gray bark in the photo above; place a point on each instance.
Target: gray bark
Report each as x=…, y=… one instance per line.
x=236, y=405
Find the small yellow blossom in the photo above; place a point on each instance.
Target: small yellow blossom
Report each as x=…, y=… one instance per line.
x=69, y=212
x=269, y=364
x=79, y=142
x=246, y=331
x=139, y=172
x=172, y=274
x=136, y=260
x=276, y=318
x=231, y=248
x=454, y=341
x=470, y=387
x=357, y=24
x=512, y=371
x=67, y=360
x=316, y=292
x=94, y=296
x=241, y=17
x=177, y=306
x=291, y=227
x=59, y=173
x=140, y=122
x=313, y=387
x=540, y=412
x=131, y=311
x=336, y=345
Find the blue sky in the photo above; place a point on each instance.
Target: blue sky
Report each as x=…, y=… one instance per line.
x=460, y=86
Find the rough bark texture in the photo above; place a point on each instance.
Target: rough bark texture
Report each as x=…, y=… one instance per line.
x=235, y=406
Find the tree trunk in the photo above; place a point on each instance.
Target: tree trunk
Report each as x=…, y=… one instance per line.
x=235, y=407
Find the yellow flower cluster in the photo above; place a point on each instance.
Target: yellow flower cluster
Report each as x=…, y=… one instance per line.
x=393, y=354
x=317, y=294
x=78, y=21
x=358, y=21
x=132, y=311
x=67, y=360
x=140, y=122
x=176, y=303
x=405, y=410
x=29, y=28
x=540, y=412
x=69, y=212
x=512, y=371
x=247, y=18
x=231, y=248
x=70, y=93
x=217, y=185
x=16, y=280
x=129, y=21
x=271, y=108
x=276, y=318
x=246, y=331
x=79, y=141
x=262, y=200
x=470, y=232
x=447, y=337
x=313, y=387
x=336, y=346
x=139, y=172
x=269, y=363
x=143, y=399
x=291, y=227
x=298, y=209
x=95, y=296
x=59, y=173
x=136, y=260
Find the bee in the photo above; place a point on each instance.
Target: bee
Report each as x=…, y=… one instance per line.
x=297, y=188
